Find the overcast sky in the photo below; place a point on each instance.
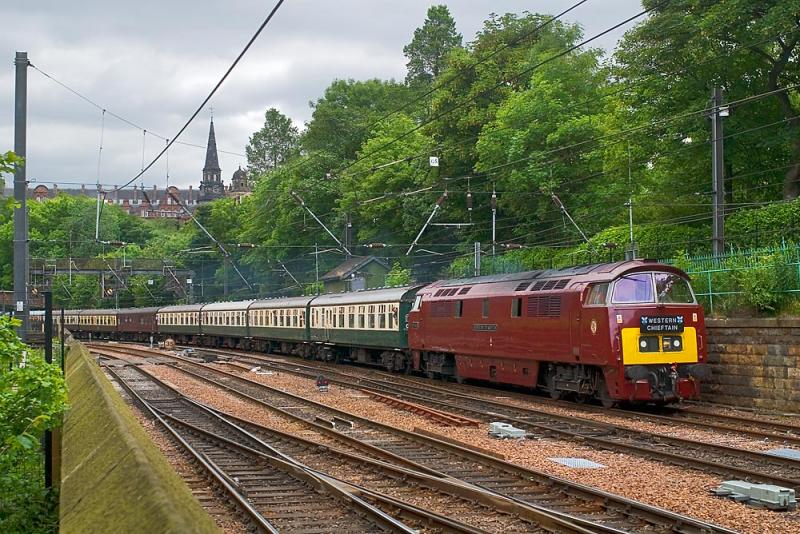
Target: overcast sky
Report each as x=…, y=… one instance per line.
x=153, y=62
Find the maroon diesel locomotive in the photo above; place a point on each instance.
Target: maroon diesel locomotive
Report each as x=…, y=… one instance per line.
x=627, y=331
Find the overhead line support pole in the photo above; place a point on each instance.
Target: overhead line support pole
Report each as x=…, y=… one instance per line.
x=225, y=253
x=565, y=212
x=718, y=172
x=303, y=204
x=430, y=218
x=21, y=275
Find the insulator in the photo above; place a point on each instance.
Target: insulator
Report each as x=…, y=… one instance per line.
x=494, y=200
x=469, y=201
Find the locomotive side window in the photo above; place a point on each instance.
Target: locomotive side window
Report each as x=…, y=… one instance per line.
x=459, y=308
x=485, y=310
x=634, y=289
x=597, y=295
x=516, y=307
x=672, y=289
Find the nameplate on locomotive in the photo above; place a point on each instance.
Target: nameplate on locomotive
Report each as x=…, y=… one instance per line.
x=484, y=327
x=649, y=324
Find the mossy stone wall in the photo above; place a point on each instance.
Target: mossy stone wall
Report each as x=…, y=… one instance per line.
x=755, y=363
x=113, y=478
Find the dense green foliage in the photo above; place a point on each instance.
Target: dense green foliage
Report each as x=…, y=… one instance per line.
x=517, y=111
x=32, y=399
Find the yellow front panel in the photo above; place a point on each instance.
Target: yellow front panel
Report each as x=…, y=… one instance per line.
x=631, y=354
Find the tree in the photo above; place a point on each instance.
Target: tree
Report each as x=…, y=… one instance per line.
x=540, y=139
x=670, y=63
x=379, y=214
x=343, y=116
x=398, y=276
x=273, y=144
x=432, y=42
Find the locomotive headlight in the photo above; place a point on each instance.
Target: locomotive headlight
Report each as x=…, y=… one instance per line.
x=672, y=344
x=648, y=344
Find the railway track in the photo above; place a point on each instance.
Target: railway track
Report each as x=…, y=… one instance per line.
x=278, y=493
x=719, y=459
x=606, y=511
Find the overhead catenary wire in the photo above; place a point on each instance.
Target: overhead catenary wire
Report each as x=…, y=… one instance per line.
x=120, y=118
x=211, y=94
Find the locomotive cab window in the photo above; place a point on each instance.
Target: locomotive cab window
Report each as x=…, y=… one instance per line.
x=417, y=303
x=597, y=296
x=672, y=289
x=634, y=288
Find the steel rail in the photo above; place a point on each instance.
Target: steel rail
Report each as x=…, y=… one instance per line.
x=551, y=522
x=240, y=500
x=594, y=432
x=656, y=515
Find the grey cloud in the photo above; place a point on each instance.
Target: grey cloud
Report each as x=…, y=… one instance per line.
x=154, y=61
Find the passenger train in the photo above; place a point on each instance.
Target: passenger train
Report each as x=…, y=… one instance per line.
x=629, y=331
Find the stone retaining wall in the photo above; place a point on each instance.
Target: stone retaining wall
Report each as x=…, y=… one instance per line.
x=113, y=478
x=755, y=363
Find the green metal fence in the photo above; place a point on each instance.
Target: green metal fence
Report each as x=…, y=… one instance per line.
x=759, y=280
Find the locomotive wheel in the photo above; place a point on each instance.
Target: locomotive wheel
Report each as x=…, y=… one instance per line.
x=604, y=397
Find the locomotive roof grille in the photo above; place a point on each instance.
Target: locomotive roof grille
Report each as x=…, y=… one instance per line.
x=602, y=270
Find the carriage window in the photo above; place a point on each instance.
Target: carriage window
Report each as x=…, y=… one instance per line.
x=302, y=318
x=351, y=316
x=459, y=308
x=485, y=310
x=597, y=295
x=516, y=307
x=341, y=316
x=371, y=317
x=361, y=322
x=294, y=317
x=634, y=289
x=672, y=289
x=392, y=316
x=382, y=316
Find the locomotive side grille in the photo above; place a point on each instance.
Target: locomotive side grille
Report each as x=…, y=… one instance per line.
x=439, y=293
x=544, y=306
x=464, y=290
x=550, y=284
x=441, y=309
x=561, y=284
x=538, y=285
x=522, y=286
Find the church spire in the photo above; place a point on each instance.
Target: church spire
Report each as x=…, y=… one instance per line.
x=212, y=161
x=211, y=186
